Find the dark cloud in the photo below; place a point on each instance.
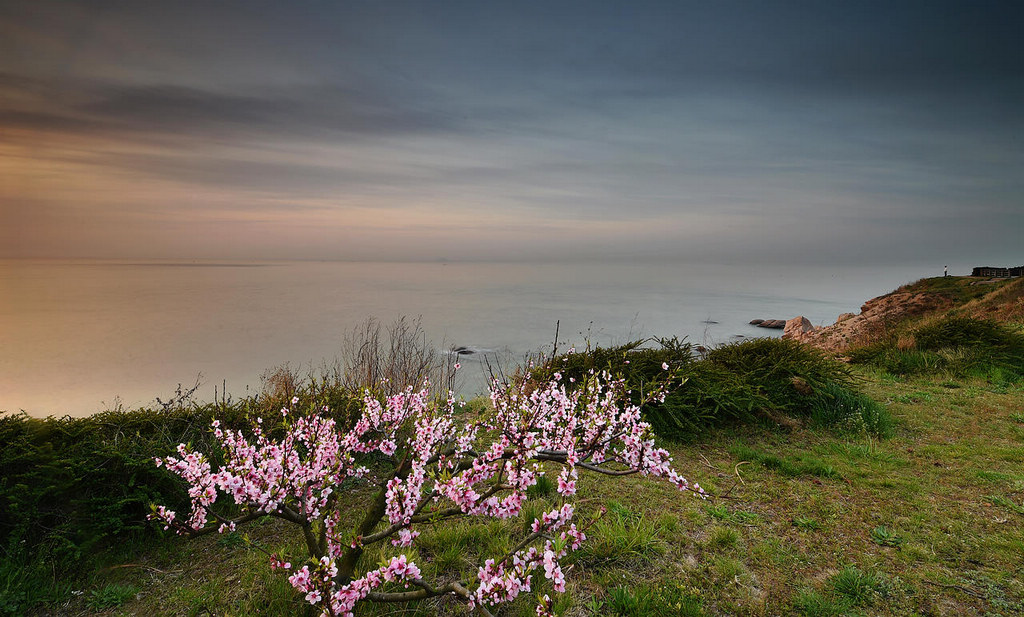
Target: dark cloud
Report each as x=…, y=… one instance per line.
x=308, y=113
x=778, y=119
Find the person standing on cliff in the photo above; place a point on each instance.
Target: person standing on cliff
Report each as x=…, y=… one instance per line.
x=945, y=271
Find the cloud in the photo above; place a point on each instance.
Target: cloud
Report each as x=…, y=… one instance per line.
x=315, y=113
x=726, y=127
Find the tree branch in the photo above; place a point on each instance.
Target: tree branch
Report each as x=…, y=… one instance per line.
x=425, y=591
x=252, y=516
x=350, y=559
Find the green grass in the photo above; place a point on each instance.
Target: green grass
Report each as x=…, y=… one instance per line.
x=1006, y=503
x=723, y=513
x=806, y=523
x=544, y=487
x=952, y=347
x=110, y=596
x=621, y=536
x=810, y=603
x=644, y=600
x=721, y=538
x=791, y=466
x=844, y=593
x=818, y=523
x=859, y=587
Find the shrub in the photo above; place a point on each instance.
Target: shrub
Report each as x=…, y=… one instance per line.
x=778, y=380
x=639, y=363
x=72, y=487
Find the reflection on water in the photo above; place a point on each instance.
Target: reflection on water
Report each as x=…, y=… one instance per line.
x=76, y=334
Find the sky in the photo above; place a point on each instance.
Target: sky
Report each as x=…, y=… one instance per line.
x=687, y=131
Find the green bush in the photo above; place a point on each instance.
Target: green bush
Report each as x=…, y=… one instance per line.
x=751, y=381
x=69, y=485
x=638, y=362
x=711, y=395
x=965, y=332
x=75, y=488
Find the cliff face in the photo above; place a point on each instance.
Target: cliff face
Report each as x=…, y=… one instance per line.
x=1000, y=300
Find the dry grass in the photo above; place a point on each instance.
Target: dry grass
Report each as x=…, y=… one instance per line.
x=281, y=383
x=1006, y=303
x=396, y=355
x=906, y=342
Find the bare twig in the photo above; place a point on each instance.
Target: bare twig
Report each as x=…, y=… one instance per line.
x=706, y=462
x=739, y=480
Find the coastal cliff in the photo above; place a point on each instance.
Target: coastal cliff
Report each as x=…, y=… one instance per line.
x=1002, y=300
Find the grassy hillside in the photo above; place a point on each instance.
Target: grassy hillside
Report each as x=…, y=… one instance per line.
x=963, y=289
x=981, y=334
x=997, y=299
x=892, y=486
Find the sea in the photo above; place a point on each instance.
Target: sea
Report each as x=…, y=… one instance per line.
x=82, y=336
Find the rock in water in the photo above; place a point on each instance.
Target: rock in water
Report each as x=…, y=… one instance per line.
x=756, y=322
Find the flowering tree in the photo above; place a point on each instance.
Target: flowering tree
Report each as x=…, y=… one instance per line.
x=438, y=468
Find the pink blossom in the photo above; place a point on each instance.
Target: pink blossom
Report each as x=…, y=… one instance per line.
x=440, y=465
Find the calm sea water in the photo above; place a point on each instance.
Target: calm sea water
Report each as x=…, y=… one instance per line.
x=77, y=337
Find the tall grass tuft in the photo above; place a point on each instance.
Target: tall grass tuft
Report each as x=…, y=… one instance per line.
x=621, y=536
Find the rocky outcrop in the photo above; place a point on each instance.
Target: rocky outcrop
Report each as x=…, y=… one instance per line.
x=875, y=315
x=769, y=323
x=797, y=327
